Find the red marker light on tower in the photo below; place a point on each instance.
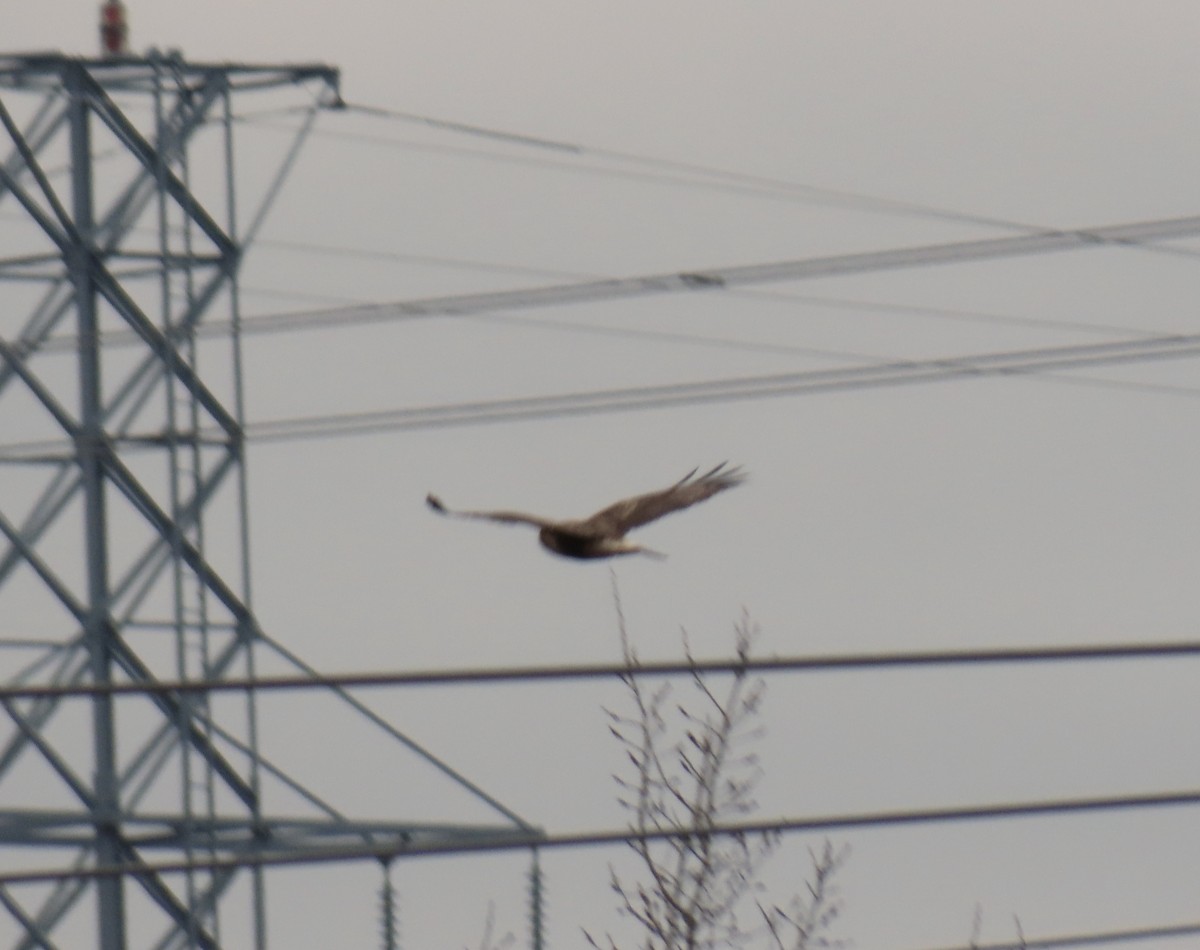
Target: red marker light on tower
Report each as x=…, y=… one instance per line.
x=114, y=29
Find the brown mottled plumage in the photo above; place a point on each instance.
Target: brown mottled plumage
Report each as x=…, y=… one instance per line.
x=603, y=534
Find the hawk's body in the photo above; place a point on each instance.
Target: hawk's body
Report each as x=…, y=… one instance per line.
x=603, y=534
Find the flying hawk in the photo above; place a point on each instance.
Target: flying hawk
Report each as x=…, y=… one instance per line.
x=603, y=534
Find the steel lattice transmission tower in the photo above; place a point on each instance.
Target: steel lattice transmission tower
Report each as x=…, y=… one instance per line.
x=123, y=536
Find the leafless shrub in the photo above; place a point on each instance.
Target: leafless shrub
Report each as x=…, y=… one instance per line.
x=802, y=925
x=689, y=771
x=489, y=941
x=977, y=930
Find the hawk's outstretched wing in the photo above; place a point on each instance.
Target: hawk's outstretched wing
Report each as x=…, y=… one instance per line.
x=504, y=517
x=625, y=515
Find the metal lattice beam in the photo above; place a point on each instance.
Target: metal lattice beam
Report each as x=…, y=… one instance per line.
x=140, y=556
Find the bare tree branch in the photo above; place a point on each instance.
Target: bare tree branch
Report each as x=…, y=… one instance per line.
x=690, y=770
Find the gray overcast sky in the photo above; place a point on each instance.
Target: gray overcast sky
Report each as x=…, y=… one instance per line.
x=974, y=512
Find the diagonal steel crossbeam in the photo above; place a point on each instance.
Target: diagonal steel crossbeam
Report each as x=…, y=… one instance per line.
x=189, y=114
x=87, y=249
x=144, y=540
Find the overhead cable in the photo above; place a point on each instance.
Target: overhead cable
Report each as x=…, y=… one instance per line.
x=1094, y=939
x=844, y=662
x=592, y=402
x=714, y=175
x=715, y=278
x=670, y=170
x=1042, y=361
x=709, y=279
x=523, y=840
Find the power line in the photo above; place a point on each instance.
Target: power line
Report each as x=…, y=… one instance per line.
x=647, y=168
x=723, y=174
x=1093, y=939
x=726, y=277
x=715, y=278
x=280, y=321
x=696, y=180
x=600, y=289
x=778, y=186
x=522, y=839
x=344, y=310
x=846, y=662
x=670, y=171
x=1034, y=241
x=1040, y=361
x=348, y=313
x=742, y=179
x=1044, y=361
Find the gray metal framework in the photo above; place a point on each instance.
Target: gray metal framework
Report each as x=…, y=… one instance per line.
x=124, y=551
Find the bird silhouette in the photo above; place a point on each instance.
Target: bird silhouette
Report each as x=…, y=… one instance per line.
x=603, y=534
